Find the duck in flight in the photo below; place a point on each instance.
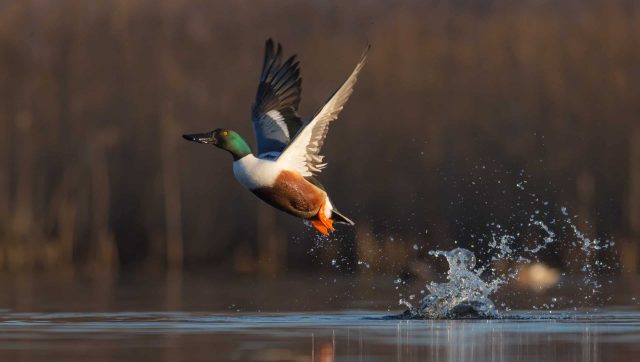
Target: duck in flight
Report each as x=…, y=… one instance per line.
x=288, y=157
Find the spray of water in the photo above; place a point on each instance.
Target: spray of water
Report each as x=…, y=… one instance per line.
x=467, y=295
x=464, y=295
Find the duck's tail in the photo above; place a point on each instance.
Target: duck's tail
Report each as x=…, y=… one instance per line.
x=331, y=212
x=327, y=215
x=340, y=218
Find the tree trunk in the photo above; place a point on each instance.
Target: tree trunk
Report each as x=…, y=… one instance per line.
x=23, y=207
x=629, y=249
x=105, y=253
x=271, y=243
x=634, y=183
x=172, y=197
x=4, y=171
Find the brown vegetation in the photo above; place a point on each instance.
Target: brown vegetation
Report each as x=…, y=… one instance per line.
x=95, y=95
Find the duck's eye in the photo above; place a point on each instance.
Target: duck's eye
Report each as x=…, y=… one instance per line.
x=225, y=133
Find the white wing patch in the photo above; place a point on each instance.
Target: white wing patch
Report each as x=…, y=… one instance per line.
x=303, y=153
x=274, y=127
x=278, y=119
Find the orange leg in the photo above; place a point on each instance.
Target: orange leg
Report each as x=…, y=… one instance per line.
x=320, y=226
x=322, y=223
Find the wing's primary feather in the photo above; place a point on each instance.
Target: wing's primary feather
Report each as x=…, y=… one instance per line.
x=274, y=113
x=303, y=154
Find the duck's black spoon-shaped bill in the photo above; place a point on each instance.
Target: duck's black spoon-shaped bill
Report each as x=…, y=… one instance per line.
x=200, y=137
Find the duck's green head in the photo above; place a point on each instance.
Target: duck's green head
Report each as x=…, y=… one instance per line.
x=223, y=138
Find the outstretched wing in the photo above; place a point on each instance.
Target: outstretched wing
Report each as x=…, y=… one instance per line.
x=274, y=113
x=303, y=154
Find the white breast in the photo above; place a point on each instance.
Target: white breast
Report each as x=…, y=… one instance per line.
x=253, y=172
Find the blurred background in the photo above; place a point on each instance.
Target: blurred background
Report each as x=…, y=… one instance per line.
x=470, y=117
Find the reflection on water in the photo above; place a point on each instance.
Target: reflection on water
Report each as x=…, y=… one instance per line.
x=201, y=318
x=353, y=335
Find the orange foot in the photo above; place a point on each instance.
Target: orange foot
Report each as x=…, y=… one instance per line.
x=323, y=224
x=320, y=226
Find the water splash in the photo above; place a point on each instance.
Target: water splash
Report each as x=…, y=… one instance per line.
x=467, y=295
x=464, y=295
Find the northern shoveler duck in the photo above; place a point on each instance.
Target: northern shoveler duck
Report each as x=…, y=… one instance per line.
x=288, y=157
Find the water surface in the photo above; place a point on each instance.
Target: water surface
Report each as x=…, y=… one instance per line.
x=321, y=336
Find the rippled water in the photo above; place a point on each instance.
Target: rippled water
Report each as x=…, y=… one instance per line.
x=352, y=335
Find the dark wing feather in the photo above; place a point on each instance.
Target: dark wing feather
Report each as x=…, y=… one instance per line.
x=274, y=114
